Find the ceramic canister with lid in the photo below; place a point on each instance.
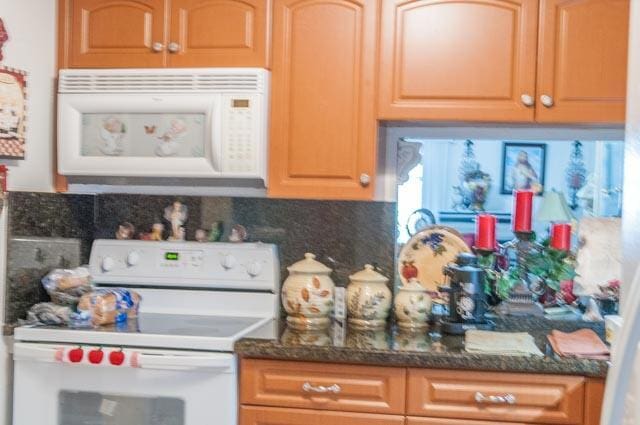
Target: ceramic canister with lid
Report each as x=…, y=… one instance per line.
x=307, y=294
x=412, y=305
x=368, y=299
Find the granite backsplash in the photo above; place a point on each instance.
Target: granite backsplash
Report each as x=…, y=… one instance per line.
x=343, y=234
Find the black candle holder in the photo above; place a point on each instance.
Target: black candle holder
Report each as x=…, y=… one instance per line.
x=522, y=300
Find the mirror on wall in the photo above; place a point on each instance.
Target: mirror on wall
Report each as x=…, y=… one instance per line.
x=448, y=182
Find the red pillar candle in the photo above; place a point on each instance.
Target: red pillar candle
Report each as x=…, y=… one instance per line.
x=523, y=204
x=561, y=236
x=486, y=232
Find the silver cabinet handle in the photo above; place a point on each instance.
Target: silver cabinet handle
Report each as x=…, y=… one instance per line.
x=527, y=99
x=365, y=179
x=308, y=388
x=546, y=100
x=495, y=399
x=157, y=47
x=173, y=47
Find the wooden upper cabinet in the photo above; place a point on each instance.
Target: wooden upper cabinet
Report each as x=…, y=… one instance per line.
x=469, y=60
x=582, y=64
x=323, y=126
x=112, y=33
x=219, y=33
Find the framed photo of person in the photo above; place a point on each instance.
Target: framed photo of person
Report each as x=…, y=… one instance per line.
x=523, y=166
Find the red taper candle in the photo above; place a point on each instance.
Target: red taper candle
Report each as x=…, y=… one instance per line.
x=486, y=232
x=523, y=204
x=561, y=236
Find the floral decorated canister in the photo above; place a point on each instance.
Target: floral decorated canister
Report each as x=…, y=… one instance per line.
x=368, y=299
x=307, y=294
x=412, y=305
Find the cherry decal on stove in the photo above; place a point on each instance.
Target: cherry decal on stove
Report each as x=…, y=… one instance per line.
x=116, y=358
x=96, y=356
x=75, y=355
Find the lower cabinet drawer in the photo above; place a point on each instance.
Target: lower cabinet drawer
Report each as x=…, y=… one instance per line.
x=253, y=415
x=488, y=396
x=323, y=386
x=437, y=421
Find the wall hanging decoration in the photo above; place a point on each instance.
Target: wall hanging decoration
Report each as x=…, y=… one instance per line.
x=471, y=193
x=13, y=112
x=4, y=37
x=576, y=173
x=523, y=167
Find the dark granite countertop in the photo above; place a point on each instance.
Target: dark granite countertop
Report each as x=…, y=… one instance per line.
x=392, y=347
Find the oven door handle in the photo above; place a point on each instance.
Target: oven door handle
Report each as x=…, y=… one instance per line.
x=33, y=352
x=219, y=364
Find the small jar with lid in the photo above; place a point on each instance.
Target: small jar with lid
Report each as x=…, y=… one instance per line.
x=412, y=305
x=307, y=294
x=368, y=299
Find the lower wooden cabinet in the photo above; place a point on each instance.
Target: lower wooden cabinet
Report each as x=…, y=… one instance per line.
x=274, y=392
x=368, y=389
x=434, y=421
x=494, y=396
x=250, y=415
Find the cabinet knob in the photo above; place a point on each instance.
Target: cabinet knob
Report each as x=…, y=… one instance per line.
x=546, y=100
x=157, y=47
x=365, y=179
x=527, y=99
x=173, y=47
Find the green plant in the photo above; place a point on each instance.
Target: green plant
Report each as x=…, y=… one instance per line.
x=498, y=282
x=551, y=265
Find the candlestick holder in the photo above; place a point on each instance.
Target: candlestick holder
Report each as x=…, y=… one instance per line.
x=522, y=300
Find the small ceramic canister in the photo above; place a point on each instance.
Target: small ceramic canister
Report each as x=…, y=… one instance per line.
x=307, y=294
x=368, y=299
x=412, y=305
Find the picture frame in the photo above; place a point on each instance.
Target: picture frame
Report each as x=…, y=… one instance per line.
x=13, y=112
x=523, y=167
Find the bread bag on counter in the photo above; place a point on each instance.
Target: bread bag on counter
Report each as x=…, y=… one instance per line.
x=106, y=306
x=66, y=286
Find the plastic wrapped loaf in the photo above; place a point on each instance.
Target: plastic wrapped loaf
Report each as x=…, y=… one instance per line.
x=106, y=306
x=66, y=286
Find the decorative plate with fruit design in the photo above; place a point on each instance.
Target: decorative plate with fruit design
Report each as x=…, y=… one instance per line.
x=427, y=252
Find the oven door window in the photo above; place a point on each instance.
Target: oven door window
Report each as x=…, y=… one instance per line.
x=143, y=135
x=92, y=408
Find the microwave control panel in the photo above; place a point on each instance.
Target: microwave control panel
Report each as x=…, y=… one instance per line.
x=241, y=141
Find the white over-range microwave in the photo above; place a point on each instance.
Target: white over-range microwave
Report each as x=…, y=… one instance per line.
x=209, y=123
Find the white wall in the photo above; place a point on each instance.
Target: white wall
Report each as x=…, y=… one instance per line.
x=31, y=25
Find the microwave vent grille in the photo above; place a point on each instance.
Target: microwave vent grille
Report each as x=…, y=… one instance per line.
x=96, y=82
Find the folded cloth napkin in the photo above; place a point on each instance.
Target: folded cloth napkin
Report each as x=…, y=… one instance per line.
x=501, y=343
x=584, y=343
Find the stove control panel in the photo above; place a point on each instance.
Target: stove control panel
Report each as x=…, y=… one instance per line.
x=188, y=264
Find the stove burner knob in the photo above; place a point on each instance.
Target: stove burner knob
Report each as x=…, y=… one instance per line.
x=228, y=262
x=254, y=269
x=133, y=258
x=108, y=264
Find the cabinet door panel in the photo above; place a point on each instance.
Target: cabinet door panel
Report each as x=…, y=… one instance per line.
x=219, y=33
x=435, y=421
x=114, y=33
x=458, y=59
x=323, y=128
x=250, y=415
x=582, y=60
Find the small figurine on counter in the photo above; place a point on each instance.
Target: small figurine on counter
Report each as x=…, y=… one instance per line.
x=238, y=233
x=176, y=214
x=156, y=232
x=125, y=231
x=201, y=235
x=181, y=236
x=217, y=229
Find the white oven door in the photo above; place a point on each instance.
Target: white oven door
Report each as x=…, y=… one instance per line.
x=148, y=387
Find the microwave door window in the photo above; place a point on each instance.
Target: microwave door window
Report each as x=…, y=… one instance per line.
x=82, y=408
x=135, y=135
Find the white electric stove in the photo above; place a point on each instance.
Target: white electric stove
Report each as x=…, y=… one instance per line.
x=174, y=365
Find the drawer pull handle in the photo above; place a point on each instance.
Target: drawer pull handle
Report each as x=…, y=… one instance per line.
x=308, y=388
x=495, y=399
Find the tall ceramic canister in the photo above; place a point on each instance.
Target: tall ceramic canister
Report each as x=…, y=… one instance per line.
x=307, y=294
x=412, y=305
x=368, y=299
